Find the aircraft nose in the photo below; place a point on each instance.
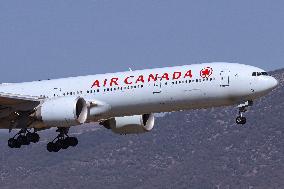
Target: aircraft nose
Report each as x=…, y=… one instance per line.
x=273, y=83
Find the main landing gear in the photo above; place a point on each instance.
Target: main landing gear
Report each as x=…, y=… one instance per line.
x=62, y=141
x=23, y=138
x=241, y=120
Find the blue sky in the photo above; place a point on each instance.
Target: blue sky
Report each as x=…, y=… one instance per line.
x=42, y=39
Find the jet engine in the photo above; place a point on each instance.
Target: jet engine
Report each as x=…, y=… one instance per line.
x=130, y=124
x=63, y=112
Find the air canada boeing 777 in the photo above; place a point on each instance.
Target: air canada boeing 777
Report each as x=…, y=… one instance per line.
x=125, y=102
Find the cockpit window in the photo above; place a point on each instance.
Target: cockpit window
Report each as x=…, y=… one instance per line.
x=264, y=73
x=259, y=73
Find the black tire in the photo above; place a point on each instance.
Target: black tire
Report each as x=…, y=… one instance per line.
x=35, y=137
x=57, y=146
x=244, y=120
x=17, y=144
x=239, y=120
x=50, y=147
x=12, y=142
x=65, y=144
x=20, y=139
x=23, y=140
x=29, y=136
x=73, y=141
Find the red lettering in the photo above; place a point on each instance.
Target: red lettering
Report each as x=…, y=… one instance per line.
x=152, y=77
x=126, y=81
x=96, y=84
x=176, y=75
x=113, y=81
x=165, y=76
x=188, y=74
x=140, y=79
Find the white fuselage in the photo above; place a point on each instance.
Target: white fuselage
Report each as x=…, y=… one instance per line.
x=155, y=90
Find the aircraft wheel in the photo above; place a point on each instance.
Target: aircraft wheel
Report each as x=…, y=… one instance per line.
x=23, y=140
x=65, y=144
x=241, y=120
x=50, y=147
x=26, y=141
x=73, y=141
x=13, y=143
x=57, y=146
x=33, y=137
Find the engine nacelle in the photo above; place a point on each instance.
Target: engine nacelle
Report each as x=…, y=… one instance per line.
x=63, y=112
x=131, y=124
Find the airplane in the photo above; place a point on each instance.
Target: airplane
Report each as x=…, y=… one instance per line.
x=125, y=102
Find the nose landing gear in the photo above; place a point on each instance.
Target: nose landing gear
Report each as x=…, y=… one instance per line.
x=241, y=120
x=62, y=141
x=23, y=137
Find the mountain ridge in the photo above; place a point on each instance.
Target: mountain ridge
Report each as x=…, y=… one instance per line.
x=190, y=149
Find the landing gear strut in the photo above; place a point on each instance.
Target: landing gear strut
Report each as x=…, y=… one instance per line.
x=62, y=141
x=241, y=120
x=23, y=137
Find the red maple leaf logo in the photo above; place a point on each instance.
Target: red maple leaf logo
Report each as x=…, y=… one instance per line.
x=206, y=72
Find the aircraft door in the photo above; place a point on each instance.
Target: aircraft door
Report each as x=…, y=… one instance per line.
x=56, y=92
x=157, y=86
x=225, y=78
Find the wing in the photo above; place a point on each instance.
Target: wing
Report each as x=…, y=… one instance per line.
x=7, y=99
x=13, y=102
